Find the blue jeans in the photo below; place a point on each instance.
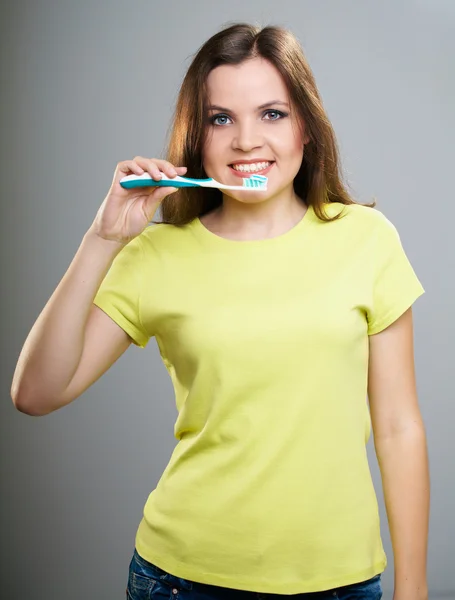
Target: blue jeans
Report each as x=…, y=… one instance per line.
x=148, y=582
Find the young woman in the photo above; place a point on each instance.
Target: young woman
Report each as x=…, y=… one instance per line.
x=276, y=314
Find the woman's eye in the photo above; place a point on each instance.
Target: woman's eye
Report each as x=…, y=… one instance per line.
x=219, y=119
x=274, y=115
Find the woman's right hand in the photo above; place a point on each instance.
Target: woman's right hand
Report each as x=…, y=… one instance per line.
x=125, y=213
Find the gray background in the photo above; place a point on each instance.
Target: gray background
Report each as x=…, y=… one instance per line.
x=85, y=85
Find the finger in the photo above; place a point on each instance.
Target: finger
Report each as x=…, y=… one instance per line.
x=150, y=165
x=166, y=167
x=161, y=192
x=170, y=190
x=154, y=171
x=129, y=166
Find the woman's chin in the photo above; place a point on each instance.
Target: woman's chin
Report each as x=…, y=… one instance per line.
x=248, y=196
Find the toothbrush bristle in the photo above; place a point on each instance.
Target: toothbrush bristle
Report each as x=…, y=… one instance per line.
x=256, y=181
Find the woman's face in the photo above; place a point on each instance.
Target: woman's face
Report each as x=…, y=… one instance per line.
x=251, y=128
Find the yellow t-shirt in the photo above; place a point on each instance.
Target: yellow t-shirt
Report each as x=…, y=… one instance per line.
x=266, y=342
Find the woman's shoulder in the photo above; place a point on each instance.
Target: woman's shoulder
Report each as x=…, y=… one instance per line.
x=357, y=214
x=165, y=236
x=158, y=231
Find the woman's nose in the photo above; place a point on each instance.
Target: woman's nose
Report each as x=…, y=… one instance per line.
x=247, y=136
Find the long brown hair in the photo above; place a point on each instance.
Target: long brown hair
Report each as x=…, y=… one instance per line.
x=319, y=180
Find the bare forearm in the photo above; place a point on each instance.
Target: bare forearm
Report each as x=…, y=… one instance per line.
x=53, y=348
x=403, y=461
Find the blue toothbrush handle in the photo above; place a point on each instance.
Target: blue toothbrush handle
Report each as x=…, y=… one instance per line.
x=139, y=183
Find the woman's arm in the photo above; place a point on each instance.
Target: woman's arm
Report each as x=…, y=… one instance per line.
x=401, y=449
x=59, y=340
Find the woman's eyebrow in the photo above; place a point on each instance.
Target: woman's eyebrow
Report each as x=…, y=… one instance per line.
x=265, y=105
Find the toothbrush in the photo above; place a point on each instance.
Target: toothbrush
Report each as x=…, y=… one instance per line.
x=254, y=182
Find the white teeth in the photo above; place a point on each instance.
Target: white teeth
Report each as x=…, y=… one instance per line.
x=248, y=168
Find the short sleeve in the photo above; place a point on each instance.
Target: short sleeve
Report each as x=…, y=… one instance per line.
x=395, y=284
x=119, y=295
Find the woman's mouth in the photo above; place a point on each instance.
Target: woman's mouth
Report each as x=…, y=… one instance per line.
x=247, y=169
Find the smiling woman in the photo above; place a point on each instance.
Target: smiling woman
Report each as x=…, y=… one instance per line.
x=251, y=135
x=275, y=312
